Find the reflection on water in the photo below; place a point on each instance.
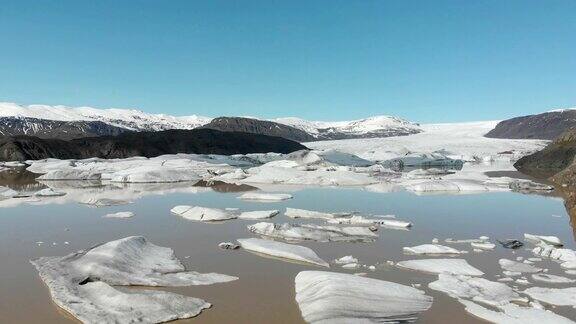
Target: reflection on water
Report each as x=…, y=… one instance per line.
x=265, y=291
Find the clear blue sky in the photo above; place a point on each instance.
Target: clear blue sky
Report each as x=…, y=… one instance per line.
x=428, y=61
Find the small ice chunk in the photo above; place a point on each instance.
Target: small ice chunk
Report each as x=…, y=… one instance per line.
x=351, y=266
x=521, y=281
x=430, y=249
x=515, y=266
x=483, y=245
x=453, y=266
x=484, y=238
x=553, y=296
x=49, y=192
x=552, y=240
x=346, y=259
x=435, y=240
x=258, y=214
x=454, y=241
x=548, y=278
x=119, y=215
x=203, y=214
x=282, y=250
x=228, y=246
x=258, y=196
x=328, y=297
x=511, y=273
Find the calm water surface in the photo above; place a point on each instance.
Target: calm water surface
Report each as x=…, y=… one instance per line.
x=265, y=291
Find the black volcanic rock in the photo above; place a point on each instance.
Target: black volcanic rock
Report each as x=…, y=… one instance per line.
x=43, y=128
x=255, y=126
x=148, y=144
x=542, y=126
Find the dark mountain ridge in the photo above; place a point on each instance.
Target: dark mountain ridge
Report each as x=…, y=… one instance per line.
x=256, y=126
x=148, y=144
x=547, y=126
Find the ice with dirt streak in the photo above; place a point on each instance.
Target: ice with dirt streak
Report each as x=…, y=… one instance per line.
x=553, y=296
x=319, y=233
x=258, y=214
x=431, y=249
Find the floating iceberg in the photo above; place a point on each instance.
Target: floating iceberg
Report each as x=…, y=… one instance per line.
x=70, y=174
x=303, y=213
x=450, y=266
x=258, y=214
x=477, y=289
x=483, y=245
x=430, y=249
x=119, y=215
x=552, y=240
x=553, y=296
x=105, y=202
x=328, y=297
x=514, y=266
x=81, y=283
x=513, y=314
x=548, y=278
x=294, y=232
x=203, y=214
x=154, y=174
x=282, y=250
x=6, y=192
x=265, y=196
x=49, y=192
x=346, y=260
x=566, y=257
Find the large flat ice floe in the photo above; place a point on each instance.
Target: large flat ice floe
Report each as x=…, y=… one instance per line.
x=282, y=250
x=513, y=314
x=203, y=214
x=328, y=297
x=514, y=266
x=319, y=233
x=477, y=289
x=437, y=266
x=81, y=283
x=553, y=296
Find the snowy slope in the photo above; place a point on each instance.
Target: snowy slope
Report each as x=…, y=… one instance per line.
x=461, y=140
x=124, y=118
x=377, y=126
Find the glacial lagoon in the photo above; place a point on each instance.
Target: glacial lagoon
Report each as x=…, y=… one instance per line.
x=265, y=290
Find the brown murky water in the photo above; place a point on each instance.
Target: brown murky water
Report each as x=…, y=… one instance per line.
x=265, y=291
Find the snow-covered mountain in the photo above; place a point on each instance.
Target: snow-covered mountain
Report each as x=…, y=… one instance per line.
x=377, y=126
x=73, y=122
x=125, y=118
